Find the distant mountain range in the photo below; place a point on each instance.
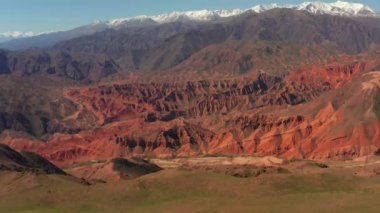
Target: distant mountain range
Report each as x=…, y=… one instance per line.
x=15, y=35
x=18, y=40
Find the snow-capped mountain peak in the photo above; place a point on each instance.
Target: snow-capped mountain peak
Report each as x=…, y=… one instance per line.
x=339, y=7
x=264, y=7
x=355, y=8
x=200, y=15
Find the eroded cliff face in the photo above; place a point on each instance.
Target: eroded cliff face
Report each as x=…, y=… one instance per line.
x=327, y=111
x=191, y=100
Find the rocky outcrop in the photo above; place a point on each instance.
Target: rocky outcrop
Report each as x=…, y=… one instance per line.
x=335, y=74
x=319, y=127
x=167, y=101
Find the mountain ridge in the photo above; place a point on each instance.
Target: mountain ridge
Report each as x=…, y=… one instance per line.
x=145, y=49
x=28, y=40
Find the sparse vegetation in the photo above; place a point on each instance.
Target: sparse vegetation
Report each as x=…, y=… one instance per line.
x=320, y=165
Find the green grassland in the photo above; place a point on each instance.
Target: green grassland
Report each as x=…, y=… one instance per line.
x=179, y=190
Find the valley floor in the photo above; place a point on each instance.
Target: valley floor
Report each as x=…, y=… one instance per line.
x=298, y=186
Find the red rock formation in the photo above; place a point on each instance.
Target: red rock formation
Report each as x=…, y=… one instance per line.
x=263, y=115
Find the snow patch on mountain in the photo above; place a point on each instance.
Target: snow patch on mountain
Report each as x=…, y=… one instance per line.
x=198, y=16
x=6, y=36
x=202, y=15
x=18, y=34
x=340, y=8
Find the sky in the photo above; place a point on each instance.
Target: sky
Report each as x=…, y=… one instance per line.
x=53, y=15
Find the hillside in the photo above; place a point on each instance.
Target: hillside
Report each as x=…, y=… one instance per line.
x=11, y=160
x=351, y=34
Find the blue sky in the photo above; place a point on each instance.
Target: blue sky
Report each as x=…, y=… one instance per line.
x=52, y=15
